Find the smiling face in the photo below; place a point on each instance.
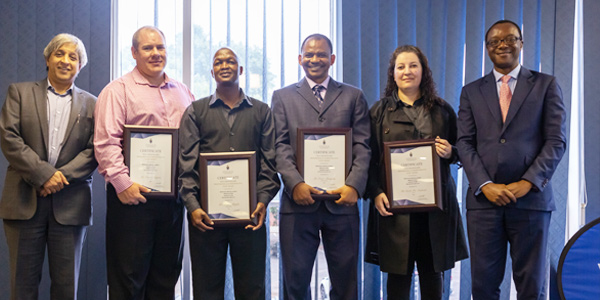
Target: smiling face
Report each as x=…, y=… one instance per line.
x=150, y=55
x=408, y=72
x=63, y=66
x=316, y=58
x=225, y=67
x=504, y=56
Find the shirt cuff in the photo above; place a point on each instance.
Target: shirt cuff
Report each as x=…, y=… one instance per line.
x=478, y=191
x=121, y=183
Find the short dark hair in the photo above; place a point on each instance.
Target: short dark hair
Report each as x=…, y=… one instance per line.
x=317, y=36
x=502, y=22
x=230, y=50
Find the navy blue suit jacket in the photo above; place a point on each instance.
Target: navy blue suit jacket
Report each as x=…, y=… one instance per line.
x=295, y=106
x=529, y=145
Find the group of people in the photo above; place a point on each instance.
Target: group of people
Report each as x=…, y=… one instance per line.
x=509, y=137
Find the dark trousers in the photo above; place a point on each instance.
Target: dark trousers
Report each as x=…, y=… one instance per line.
x=419, y=252
x=143, y=248
x=208, y=252
x=27, y=241
x=300, y=234
x=489, y=232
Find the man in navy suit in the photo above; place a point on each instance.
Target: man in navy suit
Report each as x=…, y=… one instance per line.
x=511, y=137
x=319, y=101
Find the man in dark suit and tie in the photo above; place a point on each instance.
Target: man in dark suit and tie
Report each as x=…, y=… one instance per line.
x=319, y=101
x=46, y=133
x=511, y=137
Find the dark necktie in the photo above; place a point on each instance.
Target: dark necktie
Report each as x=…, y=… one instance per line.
x=317, y=91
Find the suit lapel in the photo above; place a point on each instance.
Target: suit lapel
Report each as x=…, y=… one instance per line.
x=40, y=94
x=304, y=90
x=333, y=92
x=490, y=96
x=524, y=85
x=76, y=108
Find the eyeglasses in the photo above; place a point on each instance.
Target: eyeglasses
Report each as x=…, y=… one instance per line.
x=510, y=41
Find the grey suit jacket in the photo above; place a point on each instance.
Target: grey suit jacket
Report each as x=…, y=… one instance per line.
x=528, y=145
x=24, y=139
x=295, y=106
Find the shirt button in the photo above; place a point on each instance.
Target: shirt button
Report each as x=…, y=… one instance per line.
x=53, y=148
x=231, y=133
x=502, y=141
x=55, y=129
x=231, y=149
x=321, y=119
x=386, y=131
x=390, y=109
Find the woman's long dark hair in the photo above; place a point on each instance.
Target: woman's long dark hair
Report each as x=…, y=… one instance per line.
x=427, y=86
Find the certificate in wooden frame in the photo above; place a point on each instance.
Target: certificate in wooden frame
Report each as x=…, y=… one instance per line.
x=306, y=134
x=150, y=149
x=221, y=178
x=412, y=176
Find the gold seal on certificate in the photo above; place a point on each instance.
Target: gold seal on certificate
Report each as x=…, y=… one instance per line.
x=412, y=170
x=323, y=158
x=151, y=154
x=228, y=187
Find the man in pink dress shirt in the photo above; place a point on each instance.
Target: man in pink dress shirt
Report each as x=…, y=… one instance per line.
x=143, y=236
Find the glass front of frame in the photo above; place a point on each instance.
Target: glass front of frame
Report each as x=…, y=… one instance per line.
x=228, y=187
x=324, y=157
x=412, y=176
x=151, y=155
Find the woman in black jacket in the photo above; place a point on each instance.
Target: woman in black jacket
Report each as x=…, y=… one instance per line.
x=411, y=110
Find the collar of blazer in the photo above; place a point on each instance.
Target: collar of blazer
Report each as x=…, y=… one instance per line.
x=436, y=114
x=334, y=89
x=40, y=92
x=489, y=93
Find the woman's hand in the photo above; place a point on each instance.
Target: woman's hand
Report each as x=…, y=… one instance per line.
x=382, y=204
x=443, y=148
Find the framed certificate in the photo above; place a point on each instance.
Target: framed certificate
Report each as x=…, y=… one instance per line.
x=412, y=175
x=151, y=154
x=324, y=157
x=228, y=187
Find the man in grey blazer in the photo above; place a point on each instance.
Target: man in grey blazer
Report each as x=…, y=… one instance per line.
x=46, y=134
x=319, y=101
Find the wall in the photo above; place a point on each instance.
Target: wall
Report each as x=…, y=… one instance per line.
x=26, y=27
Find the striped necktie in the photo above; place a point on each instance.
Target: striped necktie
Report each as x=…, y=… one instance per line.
x=317, y=91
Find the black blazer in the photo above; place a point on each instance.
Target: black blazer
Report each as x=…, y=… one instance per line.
x=390, y=123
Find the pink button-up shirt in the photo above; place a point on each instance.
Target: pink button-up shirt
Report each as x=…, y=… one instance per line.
x=132, y=100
